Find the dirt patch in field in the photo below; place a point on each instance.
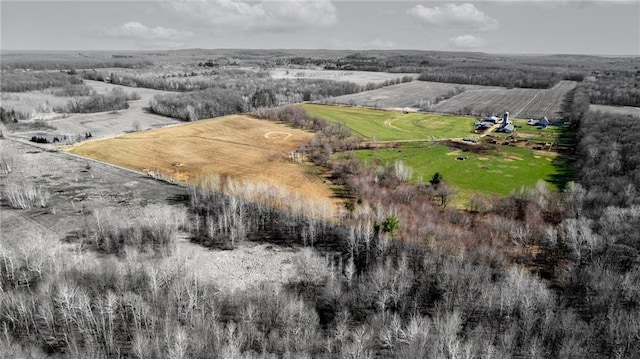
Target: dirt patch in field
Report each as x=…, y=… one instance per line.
x=467, y=147
x=248, y=265
x=238, y=146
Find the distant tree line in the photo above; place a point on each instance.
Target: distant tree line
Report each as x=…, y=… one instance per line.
x=197, y=105
x=226, y=79
x=620, y=88
x=114, y=100
x=23, y=81
x=65, y=62
x=505, y=76
x=252, y=94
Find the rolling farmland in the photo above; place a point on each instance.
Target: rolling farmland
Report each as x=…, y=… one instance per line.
x=403, y=95
x=242, y=147
x=522, y=103
x=470, y=168
x=387, y=125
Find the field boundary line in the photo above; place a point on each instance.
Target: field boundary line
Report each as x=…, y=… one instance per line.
x=78, y=157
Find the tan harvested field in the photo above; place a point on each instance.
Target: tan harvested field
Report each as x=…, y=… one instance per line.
x=521, y=103
x=621, y=110
x=358, y=77
x=402, y=95
x=239, y=146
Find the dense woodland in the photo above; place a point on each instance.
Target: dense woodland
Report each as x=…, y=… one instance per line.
x=495, y=76
x=21, y=81
x=619, y=88
x=243, y=94
x=192, y=106
x=114, y=100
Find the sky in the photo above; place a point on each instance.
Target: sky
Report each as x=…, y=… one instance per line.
x=506, y=26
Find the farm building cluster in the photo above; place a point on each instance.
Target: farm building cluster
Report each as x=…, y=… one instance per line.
x=507, y=126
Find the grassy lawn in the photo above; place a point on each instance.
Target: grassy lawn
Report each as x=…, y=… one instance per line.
x=394, y=125
x=532, y=133
x=495, y=172
x=498, y=172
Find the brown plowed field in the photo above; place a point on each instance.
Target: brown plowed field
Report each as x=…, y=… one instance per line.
x=403, y=95
x=521, y=103
x=239, y=146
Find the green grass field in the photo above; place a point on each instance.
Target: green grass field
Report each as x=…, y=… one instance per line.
x=493, y=172
x=498, y=172
x=385, y=125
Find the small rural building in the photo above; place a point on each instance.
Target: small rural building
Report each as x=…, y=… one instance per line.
x=492, y=119
x=508, y=128
x=541, y=124
x=506, y=125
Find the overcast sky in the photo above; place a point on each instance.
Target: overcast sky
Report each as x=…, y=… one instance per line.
x=533, y=27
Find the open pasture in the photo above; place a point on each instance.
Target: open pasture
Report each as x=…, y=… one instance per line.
x=384, y=125
x=497, y=171
x=521, y=103
x=238, y=146
x=403, y=95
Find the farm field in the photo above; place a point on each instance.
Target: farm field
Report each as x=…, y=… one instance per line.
x=403, y=95
x=622, y=110
x=101, y=124
x=384, y=125
x=239, y=146
x=521, y=103
x=493, y=172
x=357, y=77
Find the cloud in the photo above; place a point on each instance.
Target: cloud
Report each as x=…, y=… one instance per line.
x=270, y=16
x=147, y=37
x=465, y=16
x=466, y=42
